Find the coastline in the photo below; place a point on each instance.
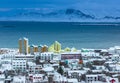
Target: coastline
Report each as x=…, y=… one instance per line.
x=77, y=22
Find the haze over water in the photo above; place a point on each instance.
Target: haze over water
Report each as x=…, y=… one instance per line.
x=78, y=35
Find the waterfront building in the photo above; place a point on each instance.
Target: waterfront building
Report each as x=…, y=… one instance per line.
x=73, y=49
x=40, y=48
x=44, y=48
x=35, y=48
x=23, y=45
x=55, y=47
x=67, y=49
x=32, y=49
x=20, y=45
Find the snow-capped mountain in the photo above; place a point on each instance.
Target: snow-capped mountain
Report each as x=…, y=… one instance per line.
x=60, y=10
x=46, y=14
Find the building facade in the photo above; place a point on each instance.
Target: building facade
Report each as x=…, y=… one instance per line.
x=23, y=45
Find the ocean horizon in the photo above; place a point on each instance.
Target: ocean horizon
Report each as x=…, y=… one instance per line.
x=70, y=34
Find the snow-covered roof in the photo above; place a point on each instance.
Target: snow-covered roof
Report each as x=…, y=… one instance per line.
x=116, y=55
x=6, y=67
x=48, y=69
x=58, y=77
x=71, y=53
x=47, y=53
x=104, y=50
x=77, y=71
x=115, y=75
x=91, y=75
x=2, y=77
x=72, y=80
x=17, y=79
x=117, y=47
x=23, y=55
x=31, y=63
x=96, y=70
x=109, y=62
x=38, y=75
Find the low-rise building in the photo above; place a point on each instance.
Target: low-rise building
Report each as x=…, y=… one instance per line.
x=71, y=55
x=19, y=79
x=33, y=68
x=91, y=78
x=2, y=78
x=46, y=56
x=19, y=64
x=36, y=78
x=75, y=74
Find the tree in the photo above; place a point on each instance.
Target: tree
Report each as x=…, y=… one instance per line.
x=37, y=60
x=112, y=81
x=6, y=73
x=60, y=70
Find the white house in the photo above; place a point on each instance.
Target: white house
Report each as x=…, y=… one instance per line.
x=115, y=58
x=37, y=78
x=91, y=78
x=19, y=79
x=33, y=68
x=46, y=56
x=2, y=78
x=19, y=64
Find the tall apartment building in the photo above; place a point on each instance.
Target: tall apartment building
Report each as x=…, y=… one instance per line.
x=23, y=45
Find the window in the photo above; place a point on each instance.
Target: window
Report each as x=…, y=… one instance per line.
x=95, y=78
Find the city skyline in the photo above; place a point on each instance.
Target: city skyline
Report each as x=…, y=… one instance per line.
x=71, y=41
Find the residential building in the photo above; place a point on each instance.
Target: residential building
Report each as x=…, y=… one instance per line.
x=46, y=56
x=19, y=79
x=55, y=47
x=91, y=78
x=23, y=46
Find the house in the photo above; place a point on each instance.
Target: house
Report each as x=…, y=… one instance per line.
x=115, y=58
x=46, y=56
x=73, y=80
x=33, y=68
x=71, y=55
x=37, y=78
x=75, y=74
x=19, y=79
x=2, y=78
x=91, y=78
x=19, y=64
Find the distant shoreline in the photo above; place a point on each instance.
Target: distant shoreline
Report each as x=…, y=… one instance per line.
x=81, y=23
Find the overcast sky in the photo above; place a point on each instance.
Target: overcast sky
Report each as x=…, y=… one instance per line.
x=107, y=4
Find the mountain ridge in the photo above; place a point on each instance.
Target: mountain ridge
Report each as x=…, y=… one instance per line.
x=69, y=14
